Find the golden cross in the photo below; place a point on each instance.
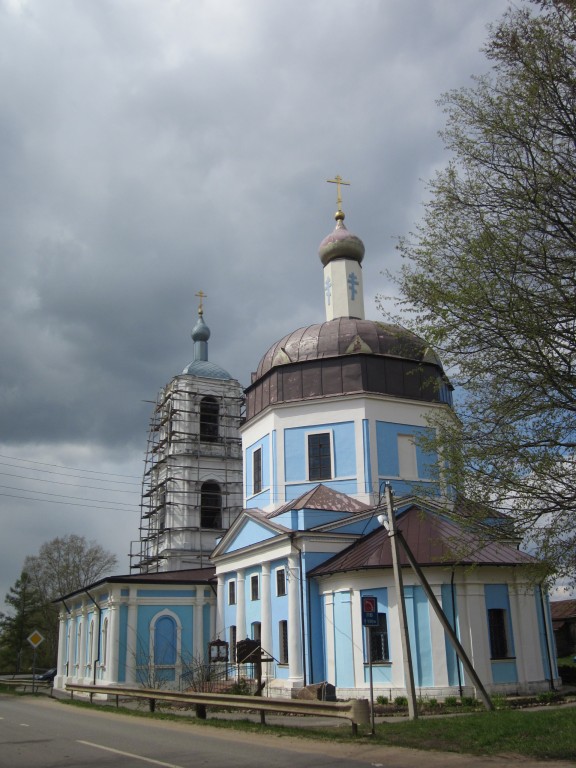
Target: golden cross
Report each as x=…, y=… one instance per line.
x=201, y=295
x=338, y=181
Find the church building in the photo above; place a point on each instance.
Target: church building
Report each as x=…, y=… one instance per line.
x=267, y=525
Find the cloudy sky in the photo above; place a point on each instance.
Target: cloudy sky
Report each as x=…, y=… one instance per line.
x=150, y=149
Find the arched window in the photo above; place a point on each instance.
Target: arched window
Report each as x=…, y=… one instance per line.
x=165, y=641
x=210, y=505
x=209, y=416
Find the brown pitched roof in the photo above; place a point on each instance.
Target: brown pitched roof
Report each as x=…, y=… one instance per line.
x=189, y=576
x=563, y=609
x=322, y=497
x=433, y=540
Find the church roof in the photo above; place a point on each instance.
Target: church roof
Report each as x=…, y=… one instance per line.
x=188, y=576
x=206, y=370
x=346, y=336
x=433, y=540
x=322, y=497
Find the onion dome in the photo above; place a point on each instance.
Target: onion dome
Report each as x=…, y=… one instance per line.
x=201, y=366
x=347, y=356
x=341, y=244
x=347, y=336
x=200, y=332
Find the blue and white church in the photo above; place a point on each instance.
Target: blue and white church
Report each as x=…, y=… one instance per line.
x=334, y=412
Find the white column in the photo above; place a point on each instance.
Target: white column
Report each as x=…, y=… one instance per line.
x=132, y=641
x=111, y=673
x=82, y=643
x=220, y=603
x=294, y=627
x=265, y=613
x=62, y=643
x=240, y=605
x=198, y=626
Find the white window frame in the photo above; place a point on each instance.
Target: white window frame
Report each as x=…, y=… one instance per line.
x=232, y=582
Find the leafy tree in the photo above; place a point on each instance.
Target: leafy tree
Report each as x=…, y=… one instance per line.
x=68, y=563
x=16, y=653
x=490, y=277
x=62, y=566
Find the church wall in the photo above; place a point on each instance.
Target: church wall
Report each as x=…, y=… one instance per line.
x=370, y=443
x=343, y=640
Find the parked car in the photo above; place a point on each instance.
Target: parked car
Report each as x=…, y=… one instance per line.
x=48, y=676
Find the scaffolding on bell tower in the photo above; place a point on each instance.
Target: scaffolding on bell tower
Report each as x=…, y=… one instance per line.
x=192, y=482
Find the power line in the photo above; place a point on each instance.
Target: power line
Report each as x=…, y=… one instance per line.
x=67, y=503
x=65, y=474
x=71, y=485
x=62, y=466
x=63, y=496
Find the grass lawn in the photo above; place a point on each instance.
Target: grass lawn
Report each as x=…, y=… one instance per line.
x=548, y=734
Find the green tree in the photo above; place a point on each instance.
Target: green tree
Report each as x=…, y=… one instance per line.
x=16, y=654
x=489, y=277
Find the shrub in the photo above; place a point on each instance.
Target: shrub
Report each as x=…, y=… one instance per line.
x=240, y=688
x=432, y=703
x=382, y=700
x=401, y=701
x=468, y=701
x=451, y=701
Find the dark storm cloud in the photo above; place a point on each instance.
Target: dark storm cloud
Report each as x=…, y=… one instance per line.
x=149, y=150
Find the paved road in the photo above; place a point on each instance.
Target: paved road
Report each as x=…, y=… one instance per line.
x=44, y=733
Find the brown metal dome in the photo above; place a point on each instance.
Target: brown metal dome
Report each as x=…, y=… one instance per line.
x=347, y=356
x=346, y=336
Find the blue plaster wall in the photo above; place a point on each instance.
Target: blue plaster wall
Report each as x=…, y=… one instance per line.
x=253, y=607
x=343, y=647
x=350, y=487
x=418, y=616
x=278, y=610
x=388, y=458
x=250, y=533
x=263, y=498
x=451, y=613
x=295, y=447
x=145, y=617
x=123, y=643
x=367, y=456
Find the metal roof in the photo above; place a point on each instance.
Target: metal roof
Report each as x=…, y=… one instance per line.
x=433, y=540
x=189, y=576
x=345, y=336
x=322, y=497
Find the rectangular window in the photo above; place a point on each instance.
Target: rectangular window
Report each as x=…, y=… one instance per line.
x=283, y=642
x=497, y=621
x=254, y=587
x=231, y=593
x=233, y=644
x=257, y=470
x=256, y=630
x=280, y=582
x=379, y=640
x=319, y=458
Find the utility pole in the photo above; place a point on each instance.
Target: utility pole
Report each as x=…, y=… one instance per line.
x=389, y=522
